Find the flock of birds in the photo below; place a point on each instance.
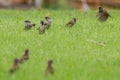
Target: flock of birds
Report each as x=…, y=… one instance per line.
x=45, y=25
x=102, y=16
x=25, y=57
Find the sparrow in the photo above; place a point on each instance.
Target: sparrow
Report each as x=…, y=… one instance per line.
x=102, y=14
x=14, y=66
x=28, y=25
x=48, y=22
x=49, y=68
x=71, y=22
x=25, y=56
x=41, y=27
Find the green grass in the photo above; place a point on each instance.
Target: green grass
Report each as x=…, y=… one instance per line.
x=75, y=58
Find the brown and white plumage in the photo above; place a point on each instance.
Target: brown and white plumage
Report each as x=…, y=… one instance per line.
x=102, y=14
x=71, y=22
x=28, y=25
x=41, y=27
x=48, y=22
x=25, y=56
x=14, y=66
x=49, y=68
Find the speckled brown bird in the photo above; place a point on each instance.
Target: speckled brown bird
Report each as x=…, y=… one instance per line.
x=71, y=22
x=14, y=66
x=25, y=56
x=102, y=14
x=48, y=22
x=41, y=27
x=28, y=25
x=49, y=68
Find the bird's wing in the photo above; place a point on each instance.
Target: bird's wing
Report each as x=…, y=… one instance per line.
x=106, y=13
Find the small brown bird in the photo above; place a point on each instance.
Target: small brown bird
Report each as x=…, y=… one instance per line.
x=71, y=22
x=28, y=25
x=41, y=27
x=48, y=22
x=14, y=66
x=25, y=56
x=102, y=14
x=49, y=68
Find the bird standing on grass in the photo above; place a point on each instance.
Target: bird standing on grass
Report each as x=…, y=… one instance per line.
x=102, y=14
x=49, y=68
x=28, y=25
x=41, y=27
x=48, y=22
x=14, y=66
x=25, y=56
x=71, y=22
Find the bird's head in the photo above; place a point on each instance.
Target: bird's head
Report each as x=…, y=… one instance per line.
x=16, y=61
x=42, y=22
x=100, y=9
x=27, y=21
x=26, y=51
x=50, y=62
x=48, y=18
x=74, y=19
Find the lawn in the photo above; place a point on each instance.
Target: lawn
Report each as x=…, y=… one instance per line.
x=74, y=51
